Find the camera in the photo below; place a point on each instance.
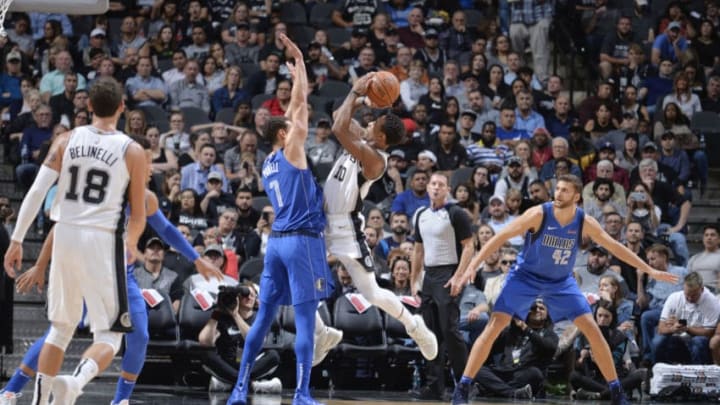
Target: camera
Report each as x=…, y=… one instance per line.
x=228, y=295
x=682, y=322
x=638, y=196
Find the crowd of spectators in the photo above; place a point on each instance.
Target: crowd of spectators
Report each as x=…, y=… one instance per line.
x=480, y=100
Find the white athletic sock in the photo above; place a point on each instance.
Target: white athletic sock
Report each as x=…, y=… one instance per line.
x=43, y=387
x=85, y=371
x=407, y=319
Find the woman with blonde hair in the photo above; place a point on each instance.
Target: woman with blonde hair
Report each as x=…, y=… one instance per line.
x=135, y=123
x=683, y=96
x=231, y=93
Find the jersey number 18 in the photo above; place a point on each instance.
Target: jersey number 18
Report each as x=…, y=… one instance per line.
x=94, y=190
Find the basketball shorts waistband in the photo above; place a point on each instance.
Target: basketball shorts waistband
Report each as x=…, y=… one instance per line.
x=299, y=232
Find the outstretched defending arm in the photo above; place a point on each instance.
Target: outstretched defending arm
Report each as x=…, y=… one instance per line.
x=297, y=111
x=170, y=234
x=351, y=135
x=593, y=229
x=531, y=219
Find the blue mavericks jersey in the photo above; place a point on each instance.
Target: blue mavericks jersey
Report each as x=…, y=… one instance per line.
x=549, y=254
x=295, y=196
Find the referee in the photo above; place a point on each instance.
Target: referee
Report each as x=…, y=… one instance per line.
x=444, y=228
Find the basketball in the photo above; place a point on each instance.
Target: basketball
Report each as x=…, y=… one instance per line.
x=384, y=89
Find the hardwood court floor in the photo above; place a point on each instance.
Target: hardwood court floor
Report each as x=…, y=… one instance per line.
x=101, y=393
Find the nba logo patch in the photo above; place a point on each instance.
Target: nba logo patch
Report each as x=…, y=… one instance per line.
x=320, y=284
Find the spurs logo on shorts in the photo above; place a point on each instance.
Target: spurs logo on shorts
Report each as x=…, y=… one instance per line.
x=125, y=320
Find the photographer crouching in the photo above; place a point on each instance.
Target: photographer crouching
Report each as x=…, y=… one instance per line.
x=226, y=330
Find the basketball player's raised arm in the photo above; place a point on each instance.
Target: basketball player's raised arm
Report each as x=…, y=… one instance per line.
x=351, y=135
x=592, y=229
x=297, y=111
x=531, y=219
x=48, y=173
x=170, y=234
x=137, y=167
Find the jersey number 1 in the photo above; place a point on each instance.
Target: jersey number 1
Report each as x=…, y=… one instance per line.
x=96, y=182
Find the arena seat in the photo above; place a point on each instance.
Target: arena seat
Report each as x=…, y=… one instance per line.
x=191, y=320
x=226, y=116
x=251, y=270
x=363, y=334
x=162, y=326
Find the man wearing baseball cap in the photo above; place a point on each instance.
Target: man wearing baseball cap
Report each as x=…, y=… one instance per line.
x=319, y=148
x=514, y=178
x=431, y=54
x=10, y=79
x=465, y=126
x=671, y=44
x=153, y=275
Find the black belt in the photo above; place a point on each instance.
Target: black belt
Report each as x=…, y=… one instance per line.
x=300, y=232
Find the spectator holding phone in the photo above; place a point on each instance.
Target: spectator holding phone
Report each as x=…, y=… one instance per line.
x=256, y=241
x=687, y=323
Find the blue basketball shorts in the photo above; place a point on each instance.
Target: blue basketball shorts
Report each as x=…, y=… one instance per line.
x=296, y=270
x=563, y=298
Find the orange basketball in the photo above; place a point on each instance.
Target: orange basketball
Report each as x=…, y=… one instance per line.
x=384, y=89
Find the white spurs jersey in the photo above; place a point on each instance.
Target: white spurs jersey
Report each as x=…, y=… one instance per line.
x=343, y=191
x=94, y=179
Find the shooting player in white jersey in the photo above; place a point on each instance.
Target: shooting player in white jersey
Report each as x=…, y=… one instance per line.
x=364, y=161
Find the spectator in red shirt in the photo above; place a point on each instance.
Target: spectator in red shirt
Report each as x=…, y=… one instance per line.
x=278, y=104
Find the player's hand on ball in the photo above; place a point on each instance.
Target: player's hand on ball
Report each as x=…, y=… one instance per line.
x=664, y=276
x=362, y=83
x=34, y=277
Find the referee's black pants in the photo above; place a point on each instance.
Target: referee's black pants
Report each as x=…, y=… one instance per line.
x=441, y=313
